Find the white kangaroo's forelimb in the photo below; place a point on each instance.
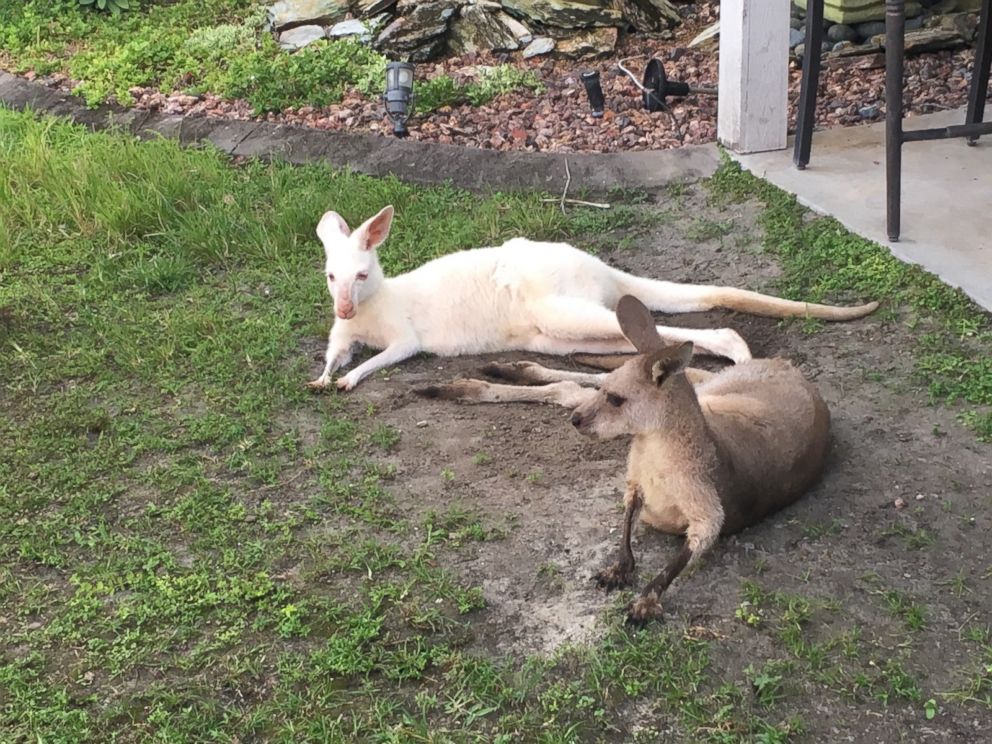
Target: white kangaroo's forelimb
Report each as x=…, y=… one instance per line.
x=392, y=354
x=523, y=295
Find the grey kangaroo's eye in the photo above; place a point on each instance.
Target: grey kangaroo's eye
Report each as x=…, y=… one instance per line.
x=615, y=400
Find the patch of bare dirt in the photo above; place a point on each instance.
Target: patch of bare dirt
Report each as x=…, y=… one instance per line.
x=845, y=542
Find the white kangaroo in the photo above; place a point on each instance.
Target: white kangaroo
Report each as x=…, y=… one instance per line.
x=524, y=295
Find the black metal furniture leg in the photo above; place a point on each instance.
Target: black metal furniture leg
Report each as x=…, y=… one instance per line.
x=895, y=23
x=810, y=82
x=980, y=72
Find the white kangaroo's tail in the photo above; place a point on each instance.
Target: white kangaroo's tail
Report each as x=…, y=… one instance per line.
x=671, y=297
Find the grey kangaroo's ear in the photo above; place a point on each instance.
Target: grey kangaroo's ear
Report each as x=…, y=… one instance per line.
x=637, y=325
x=667, y=363
x=331, y=225
x=373, y=232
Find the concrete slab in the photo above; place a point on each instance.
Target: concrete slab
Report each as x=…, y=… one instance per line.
x=946, y=195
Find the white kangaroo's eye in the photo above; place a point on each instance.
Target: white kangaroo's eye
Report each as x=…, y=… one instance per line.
x=363, y=276
x=330, y=277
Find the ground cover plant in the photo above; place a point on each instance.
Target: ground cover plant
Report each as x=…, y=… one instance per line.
x=219, y=46
x=194, y=548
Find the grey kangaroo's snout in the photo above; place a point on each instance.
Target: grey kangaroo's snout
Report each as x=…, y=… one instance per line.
x=576, y=419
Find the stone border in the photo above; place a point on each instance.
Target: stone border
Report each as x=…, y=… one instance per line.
x=417, y=162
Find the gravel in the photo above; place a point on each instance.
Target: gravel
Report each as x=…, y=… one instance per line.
x=559, y=119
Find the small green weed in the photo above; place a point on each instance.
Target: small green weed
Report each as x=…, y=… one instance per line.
x=767, y=682
x=441, y=91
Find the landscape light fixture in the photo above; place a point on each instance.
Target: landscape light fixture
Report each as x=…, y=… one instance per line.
x=657, y=87
x=590, y=79
x=399, y=95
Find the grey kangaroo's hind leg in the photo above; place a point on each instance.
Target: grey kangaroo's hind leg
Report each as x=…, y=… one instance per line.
x=568, y=394
x=532, y=373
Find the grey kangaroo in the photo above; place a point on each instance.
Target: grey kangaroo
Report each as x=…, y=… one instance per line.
x=712, y=453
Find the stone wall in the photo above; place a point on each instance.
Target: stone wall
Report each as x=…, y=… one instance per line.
x=418, y=30
x=931, y=25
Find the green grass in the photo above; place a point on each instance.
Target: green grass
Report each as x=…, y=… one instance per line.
x=192, y=547
x=217, y=46
x=820, y=258
x=822, y=648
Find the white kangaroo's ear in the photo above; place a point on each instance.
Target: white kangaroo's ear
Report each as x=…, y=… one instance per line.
x=332, y=225
x=373, y=232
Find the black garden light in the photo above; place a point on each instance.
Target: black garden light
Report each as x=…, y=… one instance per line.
x=399, y=95
x=590, y=79
x=657, y=87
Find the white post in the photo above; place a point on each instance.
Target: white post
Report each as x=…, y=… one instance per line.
x=754, y=75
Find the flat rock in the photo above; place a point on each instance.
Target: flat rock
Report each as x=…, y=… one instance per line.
x=649, y=15
x=299, y=37
x=596, y=42
x=351, y=27
x=287, y=14
x=418, y=30
x=566, y=13
x=369, y=8
x=928, y=40
x=481, y=29
x=540, y=45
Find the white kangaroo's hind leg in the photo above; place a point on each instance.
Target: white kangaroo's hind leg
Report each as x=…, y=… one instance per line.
x=570, y=325
x=721, y=342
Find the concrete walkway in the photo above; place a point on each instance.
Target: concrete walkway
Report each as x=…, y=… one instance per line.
x=946, y=195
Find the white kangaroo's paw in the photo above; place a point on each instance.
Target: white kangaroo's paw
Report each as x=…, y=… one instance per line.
x=734, y=347
x=348, y=382
x=320, y=383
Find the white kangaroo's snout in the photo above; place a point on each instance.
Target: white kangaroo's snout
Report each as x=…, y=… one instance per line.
x=351, y=257
x=344, y=305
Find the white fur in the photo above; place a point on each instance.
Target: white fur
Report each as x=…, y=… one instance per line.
x=522, y=295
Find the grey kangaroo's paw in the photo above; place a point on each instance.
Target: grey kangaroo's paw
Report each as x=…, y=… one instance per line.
x=518, y=372
x=615, y=576
x=644, y=609
x=458, y=390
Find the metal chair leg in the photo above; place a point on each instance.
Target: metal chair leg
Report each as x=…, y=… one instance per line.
x=810, y=82
x=980, y=72
x=895, y=24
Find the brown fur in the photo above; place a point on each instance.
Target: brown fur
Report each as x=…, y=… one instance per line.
x=705, y=460
x=712, y=452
